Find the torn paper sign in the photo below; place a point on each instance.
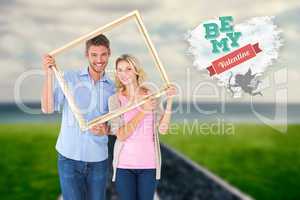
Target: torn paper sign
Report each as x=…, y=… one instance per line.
x=235, y=55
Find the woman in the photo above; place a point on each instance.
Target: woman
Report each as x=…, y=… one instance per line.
x=137, y=158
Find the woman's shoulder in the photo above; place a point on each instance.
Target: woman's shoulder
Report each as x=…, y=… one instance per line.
x=145, y=90
x=113, y=98
x=113, y=95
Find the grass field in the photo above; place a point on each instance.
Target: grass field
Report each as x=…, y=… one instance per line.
x=256, y=159
x=28, y=162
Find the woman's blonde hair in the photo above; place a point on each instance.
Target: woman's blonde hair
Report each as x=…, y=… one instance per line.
x=132, y=61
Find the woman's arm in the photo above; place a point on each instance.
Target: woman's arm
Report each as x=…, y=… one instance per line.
x=127, y=129
x=166, y=118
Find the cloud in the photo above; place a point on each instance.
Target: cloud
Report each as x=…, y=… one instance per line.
x=31, y=28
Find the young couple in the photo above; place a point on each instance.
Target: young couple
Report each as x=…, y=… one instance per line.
x=82, y=156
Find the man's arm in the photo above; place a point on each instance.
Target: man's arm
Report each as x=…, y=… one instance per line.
x=47, y=92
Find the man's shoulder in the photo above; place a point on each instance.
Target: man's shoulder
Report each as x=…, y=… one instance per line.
x=110, y=81
x=71, y=72
x=111, y=84
x=71, y=75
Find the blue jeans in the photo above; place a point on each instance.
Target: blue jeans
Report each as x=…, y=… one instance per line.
x=136, y=184
x=82, y=180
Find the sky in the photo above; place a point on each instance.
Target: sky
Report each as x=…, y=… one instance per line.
x=29, y=29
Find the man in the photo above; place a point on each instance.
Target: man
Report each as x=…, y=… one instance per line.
x=82, y=156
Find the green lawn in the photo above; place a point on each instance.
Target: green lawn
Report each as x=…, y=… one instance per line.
x=257, y=159
x=28, y=162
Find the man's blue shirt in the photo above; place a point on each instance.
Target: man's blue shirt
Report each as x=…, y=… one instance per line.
x=91, y=97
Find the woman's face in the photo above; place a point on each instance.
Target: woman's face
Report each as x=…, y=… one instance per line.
x=126, y=73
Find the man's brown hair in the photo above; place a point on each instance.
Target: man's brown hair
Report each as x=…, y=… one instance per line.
x=98, y=41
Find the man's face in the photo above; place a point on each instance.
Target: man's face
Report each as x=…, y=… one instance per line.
x=98, y=57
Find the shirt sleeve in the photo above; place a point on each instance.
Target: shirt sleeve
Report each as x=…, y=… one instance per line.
x=117, y=122
x=58, y=96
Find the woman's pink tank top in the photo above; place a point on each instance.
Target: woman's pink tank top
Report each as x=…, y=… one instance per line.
x=138, y=151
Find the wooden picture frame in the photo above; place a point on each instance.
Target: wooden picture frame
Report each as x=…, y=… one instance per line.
x=84, y=125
